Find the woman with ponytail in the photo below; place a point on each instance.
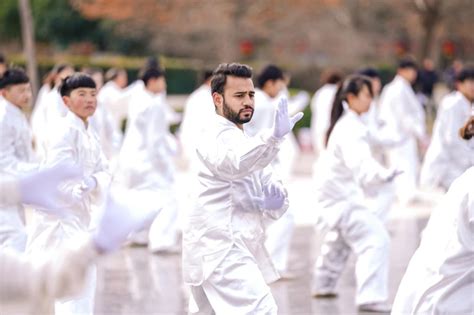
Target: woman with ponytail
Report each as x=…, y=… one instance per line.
x=345, y=173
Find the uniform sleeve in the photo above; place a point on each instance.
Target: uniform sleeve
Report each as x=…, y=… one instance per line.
x=8, y=161
x=103, y=177
x=358, y=158
x=9, y=192
x=58, y=276
x=156, y=131
x=232, y=155
x=270, y=176
x=412, y=116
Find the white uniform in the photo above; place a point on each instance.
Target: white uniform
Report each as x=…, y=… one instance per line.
x=448, y=155
x=146, y=162
x=72, y=142
x=198, y=110
x=224, y=233
x=440, y=276
x=345, y=172
x=401, y=111
x=278, y=234
x=115, y=101
x=105, y=127
x=321, y=106
x=38, y=118
x=16, y=159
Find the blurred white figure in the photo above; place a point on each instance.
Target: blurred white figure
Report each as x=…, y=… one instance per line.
x=113, y=95
x=345, y=173
x=439, y=277
x=321, y=105
x=16, y=152
x=75, y=142
x=447, y=156
x=271, y=83
x=33, y=285
x=49, y=108
x=104, y=125
x=198, y=110
x=401, y=112
x=146, y=159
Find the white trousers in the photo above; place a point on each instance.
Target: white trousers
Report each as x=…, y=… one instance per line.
x=363, y=233
x=235, y=287
x=278, y=240
x=12, y=228
x=163, y=233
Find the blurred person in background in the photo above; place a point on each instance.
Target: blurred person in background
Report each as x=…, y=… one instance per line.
x=439, y=277
x=426, y=80
x=75, y=142
x=345, y=173
x=146, y=160
x=3, y=64
x=16, y=152
x=271, y=82
x=112, y=95
x=104, y=125
x=447, y=156
x=402, y=113
x=451, y=73
x=321, y=108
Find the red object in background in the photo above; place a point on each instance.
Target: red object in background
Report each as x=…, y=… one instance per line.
x=246, y=47
x=401, y=47
x=448, y=48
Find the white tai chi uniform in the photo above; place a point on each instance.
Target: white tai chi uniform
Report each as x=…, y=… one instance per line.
x=224, y=259
x=73, y=143
x=115, y=101
x=16, y=159
x=440, y=276
x=198, y=110
x=321, y=106
x=38, y=118
x=146, y=163
x=448, y=155
x=401, y=111
x=345, y=172
x=278, y=233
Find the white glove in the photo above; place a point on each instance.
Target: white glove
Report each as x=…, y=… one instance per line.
x=88, y=184
x=116, y=220
x=77, y=193
x=283, y=122
x=41, y=188
x=274, y=197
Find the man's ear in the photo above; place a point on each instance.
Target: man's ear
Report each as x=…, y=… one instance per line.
x=66, y=100
x=218, y=99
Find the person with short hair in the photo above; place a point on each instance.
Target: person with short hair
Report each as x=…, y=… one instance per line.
x=402, y=113
x=224, y=258
x=447, y=155
x=344, y=174
x=16, y=152
x=113, y=96
x=73, y=141
x=146, y=160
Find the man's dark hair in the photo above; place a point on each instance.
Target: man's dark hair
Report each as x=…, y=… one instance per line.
x=369, y=72
x=219, y=77
x=76, y=81
x=269, y=73
x=2, y=58
x=13, y=76
x=467, y=73
x=151, y=73
x=207, y=74
x=407, y=63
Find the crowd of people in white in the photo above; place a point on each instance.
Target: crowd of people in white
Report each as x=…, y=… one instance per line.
x=96, y=161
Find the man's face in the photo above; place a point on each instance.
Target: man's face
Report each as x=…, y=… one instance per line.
x=82, y=102
x=409, y=74
x=274, y=87
x=157, y=85
x=467, y=88
x=237, y=103
x=18, y=94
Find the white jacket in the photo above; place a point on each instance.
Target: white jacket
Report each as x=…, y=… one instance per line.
x=232, y=173
x=146, y=157
x=73, y=143
x=440, y=276
x=448, y=156
x=16, y=151
x=346, y=170
x=321, y=106
x=198, y=110
x=401, y=110
x=115, y=101
x=105, y=127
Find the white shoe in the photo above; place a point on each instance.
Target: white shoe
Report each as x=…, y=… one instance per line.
x=377, y=307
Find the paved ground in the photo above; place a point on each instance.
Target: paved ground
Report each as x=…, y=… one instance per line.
x=133, y=281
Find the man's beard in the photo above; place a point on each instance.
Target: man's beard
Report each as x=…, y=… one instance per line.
x=236, y=117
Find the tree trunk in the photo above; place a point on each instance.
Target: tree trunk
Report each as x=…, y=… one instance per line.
x=29, y=44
